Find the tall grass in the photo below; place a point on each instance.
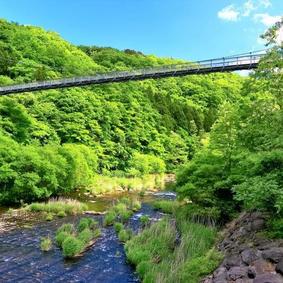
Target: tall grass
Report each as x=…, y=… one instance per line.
x=109, y=184
x=68, y=206
x=174, y=251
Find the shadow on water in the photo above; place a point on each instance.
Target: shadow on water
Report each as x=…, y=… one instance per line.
x=22, y=261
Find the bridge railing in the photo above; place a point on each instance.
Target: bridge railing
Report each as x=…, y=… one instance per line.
x=219, y=63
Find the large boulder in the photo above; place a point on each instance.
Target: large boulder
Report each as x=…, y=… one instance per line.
x=273, y=254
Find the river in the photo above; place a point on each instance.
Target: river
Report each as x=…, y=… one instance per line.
x=21, y=259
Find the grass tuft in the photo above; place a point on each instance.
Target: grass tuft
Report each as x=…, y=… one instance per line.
x=45, y=244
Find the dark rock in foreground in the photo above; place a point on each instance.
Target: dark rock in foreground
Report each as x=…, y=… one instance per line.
x=249, y=258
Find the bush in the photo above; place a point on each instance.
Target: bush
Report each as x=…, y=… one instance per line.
x=72, y=246
x=68, y=228
x=109, y=218
x=275, y=228
x=61, y=214
x=49, y=217
x=166, y=206
x=87, y=222
x=96, y=233
x=45, y=244
x=60, y=238
x=85, y=236
x=146, y=164
x=124, y=235
x=144, y=219
x=135, y=205
x=195, y=269
x=125, y=215
x=118, y=226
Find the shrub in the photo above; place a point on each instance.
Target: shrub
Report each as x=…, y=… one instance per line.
x=125, y=215
x=120, y=208
x=275, y=228
x=125, y=235
x=85, y=236
x=125, y=201
x=118, y=226
x=144, y=219
x=49, y=217
x=68, y=228
x=166, y=206
x=96, y=233
x=135, y=205
x=61, y=214
x=146, y=164
x=60, y=238
x=45, y=244
x=72, y=246
x=263, y=193
x=195, y=269
x=109, y=218
x=87, y=222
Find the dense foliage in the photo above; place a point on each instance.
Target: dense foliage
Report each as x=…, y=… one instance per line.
x=241, y=164
x=57, y=140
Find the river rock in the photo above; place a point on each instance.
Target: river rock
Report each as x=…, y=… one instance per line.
x=268, y=278
x=249, y=255
x=262, y=266
x=279, y=267
x=219, y=276
x=273, y=254
x=232, y=260
x=237, y=272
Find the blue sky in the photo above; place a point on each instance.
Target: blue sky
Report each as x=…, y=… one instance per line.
x=188, y=29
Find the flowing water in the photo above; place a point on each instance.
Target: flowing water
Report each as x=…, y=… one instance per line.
x=21, y=259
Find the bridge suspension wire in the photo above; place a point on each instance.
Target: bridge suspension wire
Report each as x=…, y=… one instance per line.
x=244, y=61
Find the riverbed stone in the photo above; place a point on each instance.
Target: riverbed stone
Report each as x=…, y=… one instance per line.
x=268, y=278
x=232, y=260
x=262, y=266
x=249, y=255
x=220, y=275
x=273, y=254
x=237, y=272
x=279, y=267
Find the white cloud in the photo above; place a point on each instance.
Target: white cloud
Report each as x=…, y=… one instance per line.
x=236, y=12
x=248, y=7
x=229, y=13
x=265, y=3
x=266, y=19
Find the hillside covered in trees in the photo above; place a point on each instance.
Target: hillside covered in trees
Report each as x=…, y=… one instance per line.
x=54, y=141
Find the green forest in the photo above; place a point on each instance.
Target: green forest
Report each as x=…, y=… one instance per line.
x=220, y=134
x=55, y=141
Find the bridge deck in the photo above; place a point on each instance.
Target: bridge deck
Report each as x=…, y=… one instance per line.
x=226, y=64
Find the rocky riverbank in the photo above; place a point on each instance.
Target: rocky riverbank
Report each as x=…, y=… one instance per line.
x=249, y=256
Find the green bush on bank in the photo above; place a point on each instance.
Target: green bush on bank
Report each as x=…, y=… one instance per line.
x=158, y=259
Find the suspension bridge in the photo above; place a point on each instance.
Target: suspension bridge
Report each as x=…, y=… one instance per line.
x=246, y=61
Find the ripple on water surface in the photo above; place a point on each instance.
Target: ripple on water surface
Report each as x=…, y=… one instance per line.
x=21, y=259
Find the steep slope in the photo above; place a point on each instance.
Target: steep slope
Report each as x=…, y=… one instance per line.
x=162, y=118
